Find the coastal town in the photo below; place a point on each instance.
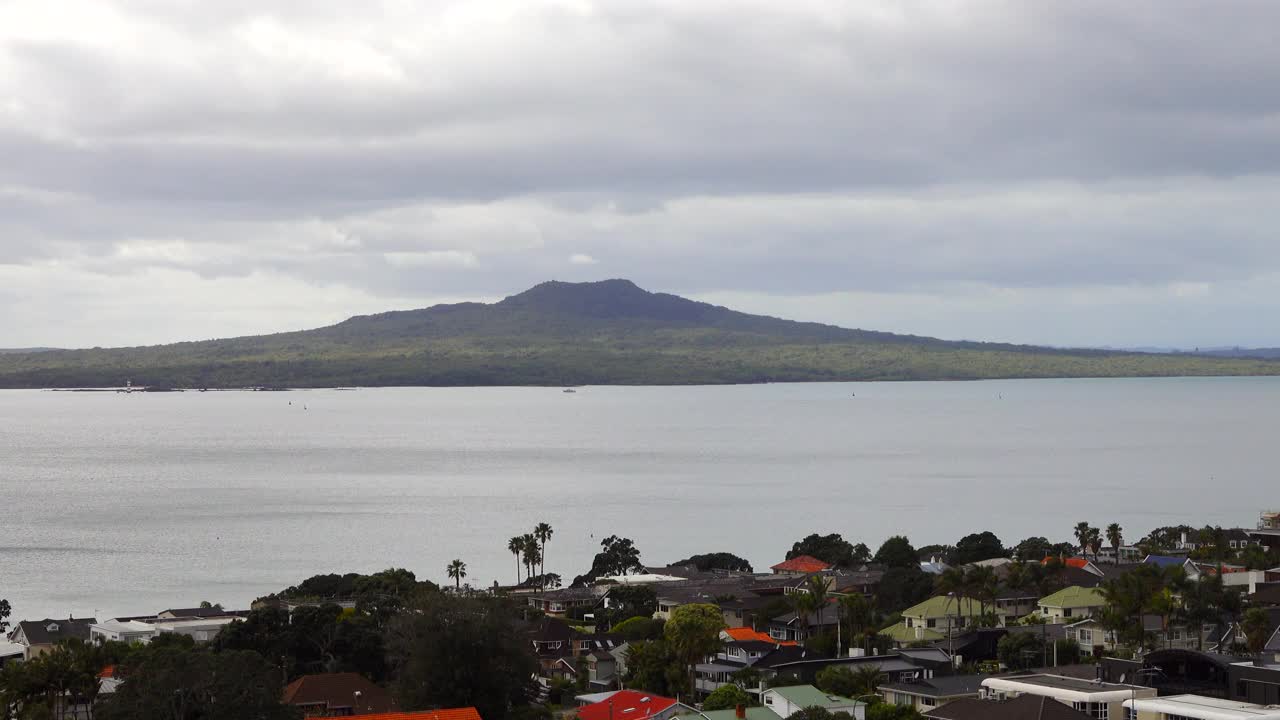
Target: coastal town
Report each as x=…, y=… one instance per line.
x=1182, y=624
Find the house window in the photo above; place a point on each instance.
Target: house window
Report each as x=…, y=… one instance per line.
x=768, y=699
x=1066, y=612
x=1086, y=637
x=932, y=622
x=909, y=622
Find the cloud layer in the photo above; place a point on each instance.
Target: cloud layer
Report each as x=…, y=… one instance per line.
x=1069, y=173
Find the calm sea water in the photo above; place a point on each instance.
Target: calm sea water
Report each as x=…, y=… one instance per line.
x=126, y=504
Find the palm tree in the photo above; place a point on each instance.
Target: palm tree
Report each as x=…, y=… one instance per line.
x=1095, y=542
x=802, y=603
x=543, y=533
x=984, y=585
x=1115, y=537
x=860, y=616
x=516, y=546
x=1082, y=533
x=457, y=570
x=817, y=587
x=529, y=550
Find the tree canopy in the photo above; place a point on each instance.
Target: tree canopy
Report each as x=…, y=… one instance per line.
x=716, y=561
x=978, y=546
x=832, y=549
x=897, y=552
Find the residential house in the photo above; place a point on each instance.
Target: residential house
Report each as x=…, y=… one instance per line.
x=38, y=637
x=1093, y=698
x=10, y=652
x=789, y=628
x=602, y=669
x=934, y=566
x=1079, y=563
x=1091, y=636
x=1268, y=530
x=634, y=705
x=556, y=603
x=337, y=694
x=1233, y=576
x=785, y=701
x=203, y=625
x=1197, y=707
x=864, y=581
x=1255, y=681
x=289, y=605
x=925, y=695
x=1023, y=707
x=1013, y=605
x=801, y=565
x=934, y=619
x=1070, y=604
x=1127, y=554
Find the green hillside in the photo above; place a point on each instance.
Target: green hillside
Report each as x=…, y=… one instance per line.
x=609, y=332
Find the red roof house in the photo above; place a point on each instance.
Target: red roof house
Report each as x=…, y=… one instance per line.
x=633, y=705
x=800, y=565
x=328, y=694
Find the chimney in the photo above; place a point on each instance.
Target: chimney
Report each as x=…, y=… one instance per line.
x=740, y=711
x=857, y=652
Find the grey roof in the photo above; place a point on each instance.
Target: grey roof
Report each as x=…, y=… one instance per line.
x=941, y=687
x=1023, y=707
x=209, y=612
x=38, y=632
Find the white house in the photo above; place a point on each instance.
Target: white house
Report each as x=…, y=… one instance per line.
x=1095, y=699
x=1198, y=707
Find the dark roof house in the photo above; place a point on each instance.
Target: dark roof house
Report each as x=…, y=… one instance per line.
x=328, y=694
x=39, y=636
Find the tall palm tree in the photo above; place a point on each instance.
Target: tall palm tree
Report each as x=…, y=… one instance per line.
x=529, y=550
x=802, y=603
x=984, y=585
x=457, y=570
x=817, y=587
x=860, y=615
x=516, y=546
x=1115, y=538
x=543, y=533
x=1082, y=536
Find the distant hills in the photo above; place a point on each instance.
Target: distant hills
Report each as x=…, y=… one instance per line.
x=609, y=332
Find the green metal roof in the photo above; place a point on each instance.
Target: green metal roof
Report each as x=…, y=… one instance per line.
x=943, y=606
x=807, y=696
x=1074, y=597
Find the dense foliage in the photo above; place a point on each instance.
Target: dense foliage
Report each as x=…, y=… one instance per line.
x=715, y=561
x=831, y=548
x=598, y=333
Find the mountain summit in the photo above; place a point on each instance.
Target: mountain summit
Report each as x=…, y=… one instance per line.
x=607, y=332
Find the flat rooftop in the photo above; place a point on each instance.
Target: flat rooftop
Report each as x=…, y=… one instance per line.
x=1206, y=708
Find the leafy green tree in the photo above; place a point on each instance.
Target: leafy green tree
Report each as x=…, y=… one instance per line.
x=652, y=666
x=542, y=532
x=838, y=680
x=693, y=632
x=716, y=561
x=896, y=552
x=178, y=683
x=453, y=651
x=1020, y=650
x=885, y=711
x=617, y=556
x=1257, y=629
x=638, y=628
x=803, y=605
x=832, y=549
x=628, y=601
x=979, y=546
x=902, y=587
x=859, y=617
x=811, y=713
x=726, y=697
x=5, y=610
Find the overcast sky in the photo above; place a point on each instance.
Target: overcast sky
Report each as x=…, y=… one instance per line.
x=1073, y=172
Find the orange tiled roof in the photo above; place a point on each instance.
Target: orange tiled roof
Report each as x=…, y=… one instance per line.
x=744, y=634
x=108, y=672
x=467, y=713
x=803, y=564
x=1071, y=562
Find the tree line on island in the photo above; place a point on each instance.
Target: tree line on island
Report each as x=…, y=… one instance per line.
x=452, y=646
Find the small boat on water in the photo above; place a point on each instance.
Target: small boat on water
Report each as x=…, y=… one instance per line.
x=569, y=390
